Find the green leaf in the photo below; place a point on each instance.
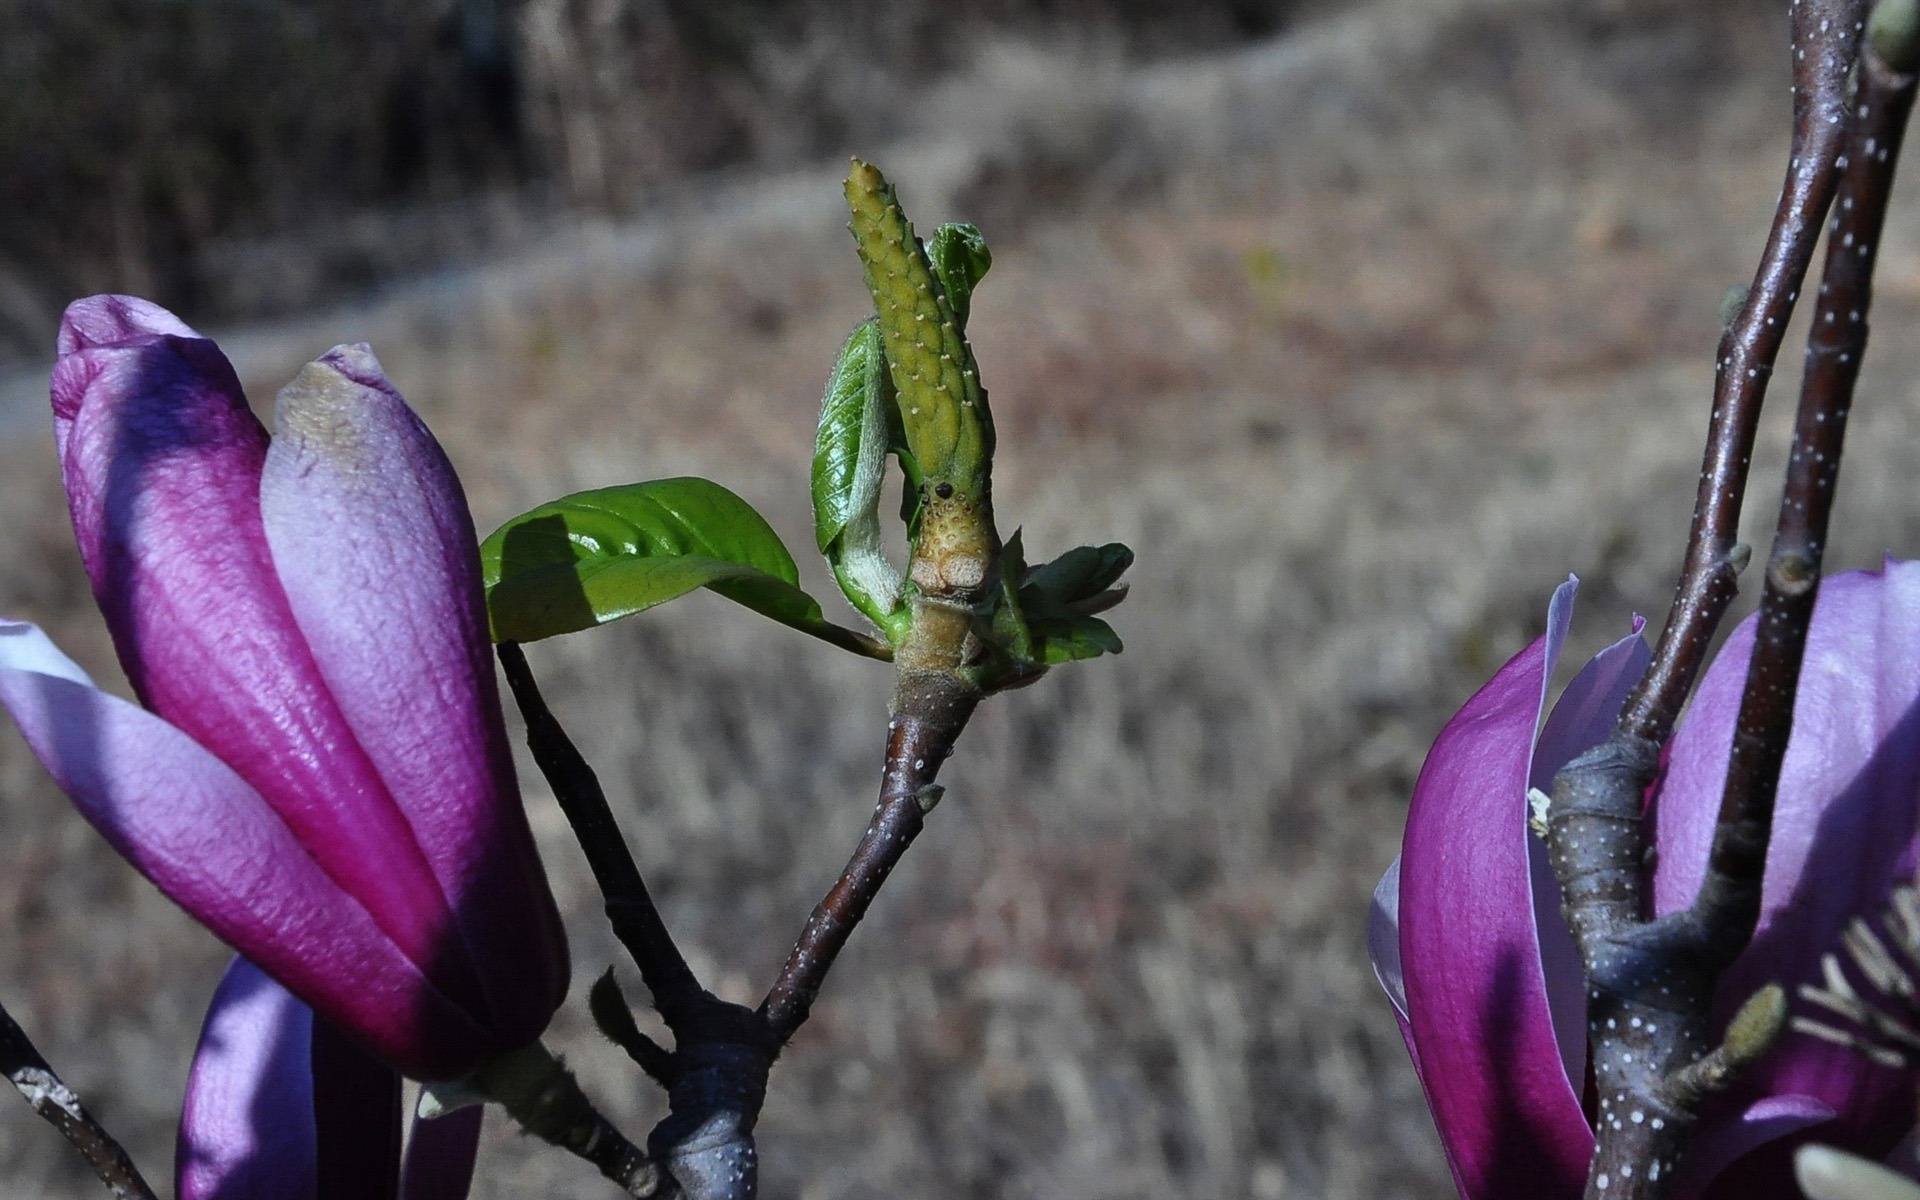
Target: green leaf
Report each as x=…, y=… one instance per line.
x=1060, y=598
x=849, y=467
x=597, y=556
x=1079, y=574
x=1060, y=640
x=850, y=447
x=960, y=258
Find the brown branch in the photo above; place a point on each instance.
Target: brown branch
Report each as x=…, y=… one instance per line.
x=1729, y=900
x=1825, y=41
x=930, y=710
x=1651, y=983
x=59, y=1107
x=630, y=908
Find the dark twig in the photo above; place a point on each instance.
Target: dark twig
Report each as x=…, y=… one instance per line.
x=716, y=1074
x=1825, y=41
x=59, y=1107
x=1651, y=982
x=630, y=907
x=615, y=1019
x=929, y=713
x=544, y=1099
x=1729, y=901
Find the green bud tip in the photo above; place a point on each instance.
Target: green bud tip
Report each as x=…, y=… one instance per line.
x=1757, y=1026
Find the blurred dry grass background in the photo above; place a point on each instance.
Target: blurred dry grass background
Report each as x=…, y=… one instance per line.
x=1363, y=337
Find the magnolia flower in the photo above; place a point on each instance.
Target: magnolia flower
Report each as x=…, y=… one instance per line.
x=321, y=773
x=1468, y=940
x=281, y=1106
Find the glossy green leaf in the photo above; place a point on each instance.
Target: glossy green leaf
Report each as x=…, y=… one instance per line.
x=597, y=556
x=849, y=467
x=1078, y=575
x=850, y=447
x=960, y=258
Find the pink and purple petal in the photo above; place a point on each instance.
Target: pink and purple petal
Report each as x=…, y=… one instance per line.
x=162, y=460
x=372, y=540
x=247, y=1129
x=281, y=1106
x=1481, y=1029
x=186, y=821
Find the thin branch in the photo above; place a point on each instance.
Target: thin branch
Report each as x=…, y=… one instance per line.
x=930, y=710
x=1729, y=900
x=1651, y=983
x=1825, y=44
x=630, y=907
x=59, y=1107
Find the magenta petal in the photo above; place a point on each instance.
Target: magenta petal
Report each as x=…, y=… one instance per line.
x=162, y=462
x=441, y=1155
x=246, y=1129
x=186, y=821
x=115, y=321
x=1845, y=831
x=1481, y=1030
x=372, y=540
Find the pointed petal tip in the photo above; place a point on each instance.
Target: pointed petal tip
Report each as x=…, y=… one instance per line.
x=110, y=320
x=333, y=399
x=1383, y=939
x=357, y=362
x=25, y=647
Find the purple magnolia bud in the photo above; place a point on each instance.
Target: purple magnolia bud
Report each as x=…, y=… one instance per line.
x=1468, y=939
x=321, y=773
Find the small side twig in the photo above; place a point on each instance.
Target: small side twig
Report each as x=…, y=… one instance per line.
x=58, y=1106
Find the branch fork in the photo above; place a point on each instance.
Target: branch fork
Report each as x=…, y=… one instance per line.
x=1651, y=982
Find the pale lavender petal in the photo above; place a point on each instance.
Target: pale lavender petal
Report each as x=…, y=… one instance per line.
x=441, y=1155
x=162, y=461
x=1845, y=830
x=209, y=841
x=374, y=545
x=1481, y=1030
x=246, y=1128
x=1582, y=719
x=1383, y=940
x=280, y=1106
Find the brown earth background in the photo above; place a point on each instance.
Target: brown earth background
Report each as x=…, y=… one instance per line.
x=1363, y=323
